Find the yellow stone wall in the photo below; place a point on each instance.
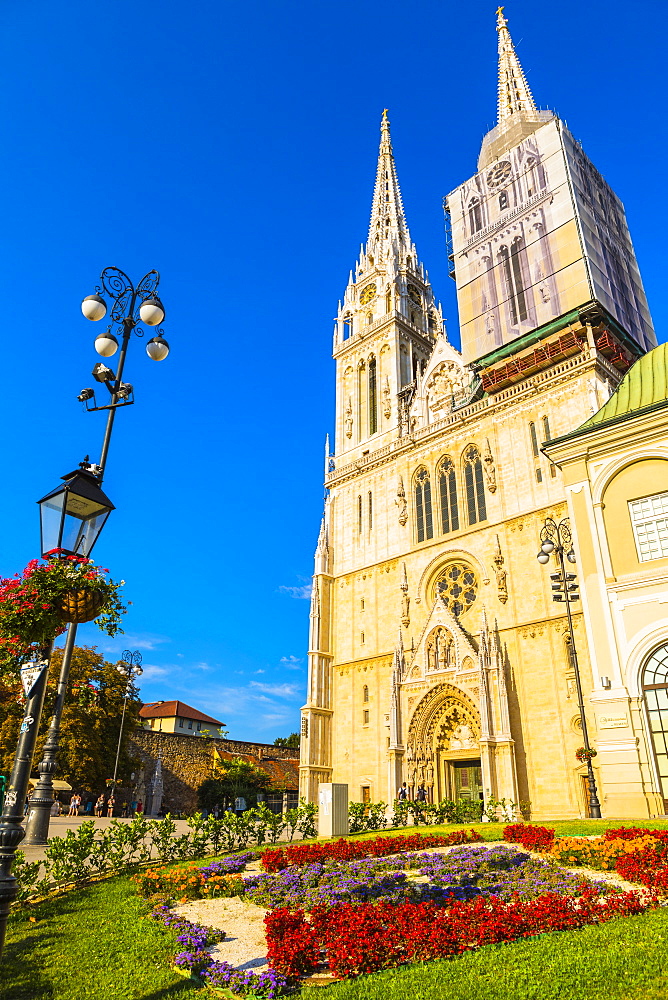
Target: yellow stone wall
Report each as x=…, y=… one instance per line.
x=365, y=611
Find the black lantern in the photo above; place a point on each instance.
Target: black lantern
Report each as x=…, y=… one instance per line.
x=73, y=515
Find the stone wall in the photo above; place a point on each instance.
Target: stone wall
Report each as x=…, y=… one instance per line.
x=188, y=760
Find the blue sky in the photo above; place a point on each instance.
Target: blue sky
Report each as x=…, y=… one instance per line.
x=233, y=148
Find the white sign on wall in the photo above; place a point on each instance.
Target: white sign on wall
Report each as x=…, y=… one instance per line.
x=613, y=722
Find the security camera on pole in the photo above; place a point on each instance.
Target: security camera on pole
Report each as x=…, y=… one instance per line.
x=557, y=539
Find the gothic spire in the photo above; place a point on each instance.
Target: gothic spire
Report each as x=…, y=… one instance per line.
x=514, y=93
x=387, y=228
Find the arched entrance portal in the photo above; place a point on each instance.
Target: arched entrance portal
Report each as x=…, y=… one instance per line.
x=655, y=693
x=443, y=749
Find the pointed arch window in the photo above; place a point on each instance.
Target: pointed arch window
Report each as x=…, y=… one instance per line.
x=347, y=327
x=503, y=200
x=370, y=502
x=359, y=514
x=447, y=492
x=475, y=215
x=534, y=439
x=511, y=266
x=474, y=485
x=546, y=430
x=373, y=397
x=365, y=693
x=423, y=515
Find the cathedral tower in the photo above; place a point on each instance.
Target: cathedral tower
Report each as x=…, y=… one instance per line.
x=538, y=235
x=437, y=656
x=387, y=324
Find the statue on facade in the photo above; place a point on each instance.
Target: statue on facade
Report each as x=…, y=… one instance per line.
x=401, y=502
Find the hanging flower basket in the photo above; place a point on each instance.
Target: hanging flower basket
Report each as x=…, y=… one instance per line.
x=80, y=606
x=36, y=606
x=583, y=754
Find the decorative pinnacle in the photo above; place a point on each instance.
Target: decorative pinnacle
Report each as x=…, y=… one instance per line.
x=387, y=225
x=514, y=93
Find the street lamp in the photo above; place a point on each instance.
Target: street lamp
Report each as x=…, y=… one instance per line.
x=131, y=667
x=557, y=538
x=73, y=515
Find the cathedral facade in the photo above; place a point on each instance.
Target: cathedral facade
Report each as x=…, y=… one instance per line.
x=437, y=656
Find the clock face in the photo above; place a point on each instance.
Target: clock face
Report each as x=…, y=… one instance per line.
x=414, y=295
x=368, y=294
x=499, y=174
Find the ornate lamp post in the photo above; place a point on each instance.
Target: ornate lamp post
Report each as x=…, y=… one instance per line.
x=557, y=538
x=79, y=510
x=131, y=667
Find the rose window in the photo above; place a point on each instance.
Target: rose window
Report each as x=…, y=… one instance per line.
x=458, y=587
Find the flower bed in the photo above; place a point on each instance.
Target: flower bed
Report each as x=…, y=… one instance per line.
x=350, y=850
x=463, y=873
x=366, y=938
x=599, y=853
x=534, y=838
x=196, y=882
x=361, y=914
x=193, y=958
x=637, y=855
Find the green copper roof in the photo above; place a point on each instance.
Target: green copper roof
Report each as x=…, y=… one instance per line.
x=644, y=385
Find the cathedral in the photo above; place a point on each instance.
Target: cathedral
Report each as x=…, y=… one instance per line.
x=437, y=656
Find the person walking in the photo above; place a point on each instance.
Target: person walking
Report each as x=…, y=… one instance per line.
x=402, y=794
x=77, y=804
x=421, y=794
x=73, y=799
x=111, y=802
x=99, y=805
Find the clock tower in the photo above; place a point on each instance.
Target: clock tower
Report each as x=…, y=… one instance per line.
x=387, y=324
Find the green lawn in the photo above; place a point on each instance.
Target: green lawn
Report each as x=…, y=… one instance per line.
x=95, y=943
x=92, y=943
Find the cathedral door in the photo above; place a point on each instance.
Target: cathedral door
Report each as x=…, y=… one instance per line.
x=467, y=780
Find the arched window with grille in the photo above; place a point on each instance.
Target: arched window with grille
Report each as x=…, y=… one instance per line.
x=423, y=515
x=370, y=510
x=655, y=693
x=359, y=514
x=474, y=485
x=373, y=398
x=447, y=495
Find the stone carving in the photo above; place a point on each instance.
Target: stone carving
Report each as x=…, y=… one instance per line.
x=490, y=468
x=440, y=650
x=500, y=572
x=405, y=599
x=463, y=739
x=387, y=405
x=401, y=502
x=349, y=418
x=443, y=382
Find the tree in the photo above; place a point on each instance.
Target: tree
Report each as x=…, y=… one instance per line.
x=233, y=778
x=90, y=724
x=287, y=741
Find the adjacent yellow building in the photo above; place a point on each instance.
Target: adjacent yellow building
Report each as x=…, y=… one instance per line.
x=437, y=656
